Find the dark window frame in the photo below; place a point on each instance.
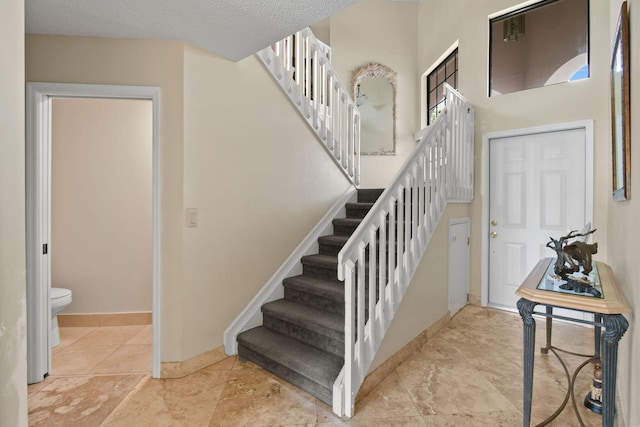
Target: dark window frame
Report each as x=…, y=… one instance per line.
x=435, y=80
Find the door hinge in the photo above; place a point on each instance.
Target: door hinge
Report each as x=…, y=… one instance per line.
x=468, y=241
x=45, y=249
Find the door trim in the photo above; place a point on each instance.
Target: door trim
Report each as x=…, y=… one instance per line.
x=38, y=208
x=587, y=125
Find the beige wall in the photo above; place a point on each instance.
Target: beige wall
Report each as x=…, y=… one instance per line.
x=551, y=40
x=582, y=100
x=623, y=232
x=427, y=298
x=260, y=181
x=13, y=319
x=232, y=147
x=384, y=32
x=101, y=203
x=137, y=62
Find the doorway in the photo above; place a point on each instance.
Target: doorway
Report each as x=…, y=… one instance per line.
x=538, y=183
x=39, y=155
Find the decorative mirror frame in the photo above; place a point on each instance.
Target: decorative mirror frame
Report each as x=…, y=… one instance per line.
x=374, y=69
x=620, y=109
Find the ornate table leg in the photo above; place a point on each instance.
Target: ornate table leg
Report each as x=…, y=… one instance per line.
x=549, y=325
x=525, y=307
x=615, y=326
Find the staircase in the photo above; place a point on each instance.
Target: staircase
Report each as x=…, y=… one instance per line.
x=320, y=319
x=302, y=336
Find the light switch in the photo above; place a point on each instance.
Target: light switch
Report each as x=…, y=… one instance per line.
x=192, y=217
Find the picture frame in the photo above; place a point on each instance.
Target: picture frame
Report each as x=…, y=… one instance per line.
x=620, y=109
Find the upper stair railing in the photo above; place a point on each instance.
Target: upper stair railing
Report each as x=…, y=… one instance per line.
x=302, y=67
x=379, y=260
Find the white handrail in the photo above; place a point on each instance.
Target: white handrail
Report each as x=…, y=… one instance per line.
x=301, y=65
x=380, y=258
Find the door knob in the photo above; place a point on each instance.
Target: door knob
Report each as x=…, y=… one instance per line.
x=494, y=222
x=493, y=234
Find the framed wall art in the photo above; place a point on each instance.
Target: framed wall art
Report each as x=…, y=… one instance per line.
x=620, y=109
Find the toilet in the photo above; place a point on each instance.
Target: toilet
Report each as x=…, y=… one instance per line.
x=60, y=299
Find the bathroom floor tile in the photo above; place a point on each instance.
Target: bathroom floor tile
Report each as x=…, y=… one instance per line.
x=128, y=358
x=79, y=360
x=110, y=335
x=145, y=336
x=69, y=335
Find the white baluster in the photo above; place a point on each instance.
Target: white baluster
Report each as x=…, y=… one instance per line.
x=371, y=283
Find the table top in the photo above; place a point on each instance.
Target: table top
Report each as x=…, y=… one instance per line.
x=613, y=300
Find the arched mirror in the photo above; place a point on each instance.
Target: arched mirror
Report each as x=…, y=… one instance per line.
x=374, y=91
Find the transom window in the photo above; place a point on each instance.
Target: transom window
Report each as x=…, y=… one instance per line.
x=445, y=72
x=542, y=44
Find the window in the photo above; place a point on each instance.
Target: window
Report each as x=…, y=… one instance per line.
x=445, y=72
x=539, y=45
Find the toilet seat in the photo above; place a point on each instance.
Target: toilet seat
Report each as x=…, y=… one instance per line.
x=59, y=293
x=60, y=296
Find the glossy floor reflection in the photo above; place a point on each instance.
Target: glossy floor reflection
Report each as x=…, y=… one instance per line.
x=469, y=374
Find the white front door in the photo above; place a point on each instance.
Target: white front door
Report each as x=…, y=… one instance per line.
x=537, y=189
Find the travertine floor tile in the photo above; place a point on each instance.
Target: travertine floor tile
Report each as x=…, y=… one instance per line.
x=254, y=397
x=489, y=419
x=450, y=387
x=390, y=399
x=187, y=402
x=36, y=387
x=469, y=374
x=449, y=343
x=385, y=422
x=227, y=364
x=79, y=401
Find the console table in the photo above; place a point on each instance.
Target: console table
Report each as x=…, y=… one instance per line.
x=607, y=310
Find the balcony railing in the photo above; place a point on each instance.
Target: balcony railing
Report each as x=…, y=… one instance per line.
x=301, y=65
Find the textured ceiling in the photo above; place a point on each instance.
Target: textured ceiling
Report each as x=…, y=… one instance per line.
x=233, y=29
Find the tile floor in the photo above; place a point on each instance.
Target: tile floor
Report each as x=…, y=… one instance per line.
x=469, y=374
x=102, y=350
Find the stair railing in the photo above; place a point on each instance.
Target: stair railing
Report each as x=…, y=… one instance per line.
x=379, y=260
x=301, y=65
